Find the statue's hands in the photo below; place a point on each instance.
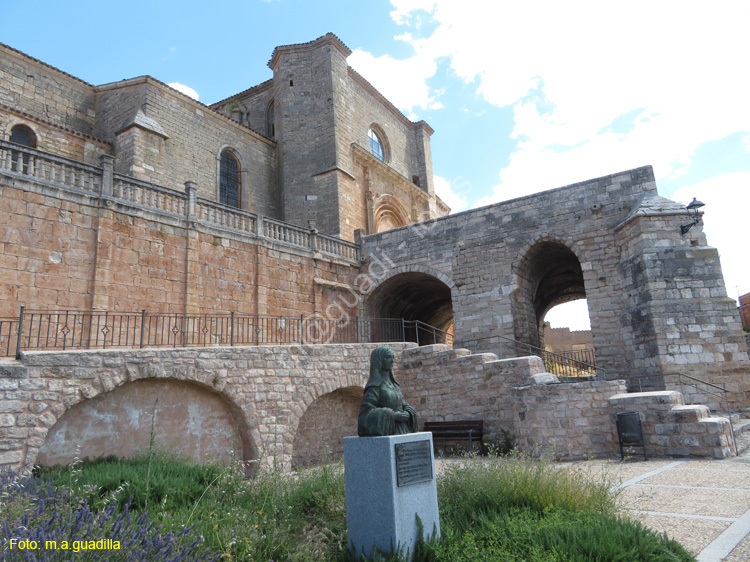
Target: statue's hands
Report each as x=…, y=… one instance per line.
x=401, y=416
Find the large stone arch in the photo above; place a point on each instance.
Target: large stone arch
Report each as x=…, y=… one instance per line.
x=188, y=418
x=126, y=367
x=548, y=271
x=414, y=292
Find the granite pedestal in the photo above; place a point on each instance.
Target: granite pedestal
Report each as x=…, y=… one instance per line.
x=389, y=482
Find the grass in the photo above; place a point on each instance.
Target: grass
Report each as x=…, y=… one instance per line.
x=494, y=509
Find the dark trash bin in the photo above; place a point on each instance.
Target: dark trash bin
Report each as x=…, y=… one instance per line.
x=630, y=432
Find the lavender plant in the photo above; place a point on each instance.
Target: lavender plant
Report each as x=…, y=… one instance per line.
x=37, y=525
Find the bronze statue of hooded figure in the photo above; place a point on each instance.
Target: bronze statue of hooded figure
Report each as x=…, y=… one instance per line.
x=383, y=410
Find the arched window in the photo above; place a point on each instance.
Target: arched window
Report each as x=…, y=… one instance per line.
x=23, y=135
x=270, y=123
x=377, y=147
x=229, y=179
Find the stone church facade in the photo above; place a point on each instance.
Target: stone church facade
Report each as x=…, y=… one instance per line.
x=336, y=157
x=307, y=196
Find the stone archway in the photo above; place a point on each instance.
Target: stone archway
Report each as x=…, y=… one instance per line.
x=322, y=428
x=414, y=295
x=549, y=273
x=188, y=418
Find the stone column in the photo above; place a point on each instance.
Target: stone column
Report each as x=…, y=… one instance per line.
x=191, y=189
x=108, y=165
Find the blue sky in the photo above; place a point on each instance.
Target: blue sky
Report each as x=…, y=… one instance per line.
x=523, y=96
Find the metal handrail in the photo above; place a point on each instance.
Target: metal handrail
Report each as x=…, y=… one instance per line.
x=721, y=393
x=724, y=397
x=427, y=335
x=75, y=329
x=565, y=368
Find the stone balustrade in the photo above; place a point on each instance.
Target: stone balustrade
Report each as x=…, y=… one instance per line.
x=64, y=174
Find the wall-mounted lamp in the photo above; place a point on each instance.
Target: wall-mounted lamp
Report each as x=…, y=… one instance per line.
x=693, y=210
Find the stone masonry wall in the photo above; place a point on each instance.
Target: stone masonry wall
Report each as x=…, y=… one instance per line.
x=291, y=405
x=267, y=389
x=249, y=107
x=33, y=87
x=563, y=339
x=671, y=428
x=479, y=249
x=362, y=108
x=303, y=92
x=55, y=139
x=196, y=135
x=644, y=283
x=64, y=251
x=321, y=431
x=568, y=421
x=445, y=384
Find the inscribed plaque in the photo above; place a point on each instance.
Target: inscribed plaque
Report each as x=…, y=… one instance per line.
x=413, y=463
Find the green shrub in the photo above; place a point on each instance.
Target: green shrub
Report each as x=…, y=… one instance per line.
x=498, y=509
x=497, y=485
x=166, y=480
x=558, y=536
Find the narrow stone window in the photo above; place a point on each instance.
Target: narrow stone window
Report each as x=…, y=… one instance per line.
x=376, y=145
x=229, y=180
x=415, y=180
x=270, y=124
x=23, y=135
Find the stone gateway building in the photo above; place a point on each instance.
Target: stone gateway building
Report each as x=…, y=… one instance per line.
x=306, y=202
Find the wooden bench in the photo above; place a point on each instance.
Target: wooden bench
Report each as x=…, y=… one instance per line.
x=455, y=430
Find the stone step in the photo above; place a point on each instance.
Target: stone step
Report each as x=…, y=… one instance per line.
x=686, y=414
x=733, y=416
x=741, y=426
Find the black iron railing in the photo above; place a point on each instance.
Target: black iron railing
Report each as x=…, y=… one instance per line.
x=573, y=366
x=72, y=329
x=424, y=334
x=53, y=330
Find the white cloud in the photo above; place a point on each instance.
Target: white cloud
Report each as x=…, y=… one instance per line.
x=599, y=87
x=727, y=198
x=402, y=81
x=403, y=14
x=570, y=69
x=187, y=90
x=453, y=193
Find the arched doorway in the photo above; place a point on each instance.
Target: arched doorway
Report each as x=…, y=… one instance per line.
x=414, y=296
x=548, y=275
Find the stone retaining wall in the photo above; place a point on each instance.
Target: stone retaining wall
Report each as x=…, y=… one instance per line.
x=443, y=384
x=265, y=392
x=570, y=421
x=292, y=405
